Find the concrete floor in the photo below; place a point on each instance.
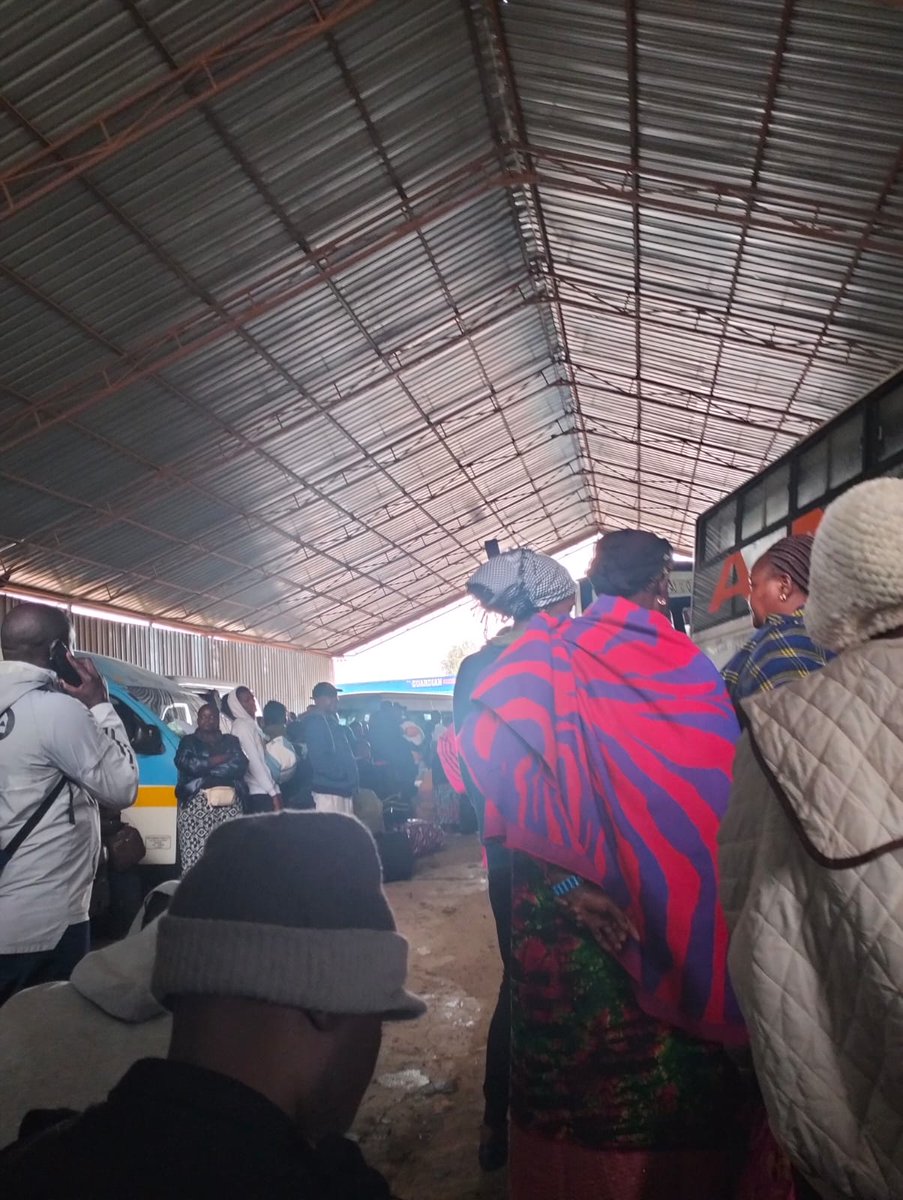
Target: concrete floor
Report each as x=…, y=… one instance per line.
x=420, y=1119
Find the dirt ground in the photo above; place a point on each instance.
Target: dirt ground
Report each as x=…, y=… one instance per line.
x=420, y=1119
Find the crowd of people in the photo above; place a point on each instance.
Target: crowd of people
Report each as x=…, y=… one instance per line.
x=236, y=763
x=67, y=768
x=695, y=879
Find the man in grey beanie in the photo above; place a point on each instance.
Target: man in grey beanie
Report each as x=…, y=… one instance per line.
x=279, y=959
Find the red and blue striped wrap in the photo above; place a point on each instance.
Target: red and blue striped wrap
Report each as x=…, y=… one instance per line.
x=604, y=746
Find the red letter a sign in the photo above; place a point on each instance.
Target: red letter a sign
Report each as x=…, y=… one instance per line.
x=733, y=581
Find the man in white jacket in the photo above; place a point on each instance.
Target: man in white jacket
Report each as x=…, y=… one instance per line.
x=51, y=731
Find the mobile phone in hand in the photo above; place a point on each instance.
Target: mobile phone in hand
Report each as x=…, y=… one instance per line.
x=60, y=662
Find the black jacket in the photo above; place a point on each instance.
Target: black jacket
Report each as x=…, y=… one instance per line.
x=172, y=1130
x=333, y=769
x=195, y=772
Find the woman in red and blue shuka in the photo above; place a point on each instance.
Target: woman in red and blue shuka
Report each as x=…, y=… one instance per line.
x=603, y=747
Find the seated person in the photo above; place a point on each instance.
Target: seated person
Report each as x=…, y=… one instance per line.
x=279, y=961
x=64, y=1045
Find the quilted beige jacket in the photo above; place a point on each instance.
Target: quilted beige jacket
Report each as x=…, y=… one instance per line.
x=812, y=884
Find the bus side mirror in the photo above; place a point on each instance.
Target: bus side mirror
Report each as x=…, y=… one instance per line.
x=147, y=739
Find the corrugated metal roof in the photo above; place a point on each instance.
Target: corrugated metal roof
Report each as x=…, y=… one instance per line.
x=332, y=294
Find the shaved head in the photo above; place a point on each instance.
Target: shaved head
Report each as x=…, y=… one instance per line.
x=29, y=630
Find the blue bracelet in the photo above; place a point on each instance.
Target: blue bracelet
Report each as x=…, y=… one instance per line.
x=566, y=885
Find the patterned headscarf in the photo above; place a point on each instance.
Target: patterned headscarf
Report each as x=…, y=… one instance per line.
x=520, y=583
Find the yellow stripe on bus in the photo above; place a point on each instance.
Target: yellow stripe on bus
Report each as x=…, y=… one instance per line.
x=155, y=797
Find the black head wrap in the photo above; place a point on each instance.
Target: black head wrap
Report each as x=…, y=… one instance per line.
x=628, y=562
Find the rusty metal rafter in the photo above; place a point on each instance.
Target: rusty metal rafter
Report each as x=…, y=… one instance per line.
x=728, y=411
x=882, y=198
x=607, y=388
x=786, y=213
x=509, y=90
x=151, y=108
x=233, y=313
x=670, y=318
x=771, y=95
x=705, y=321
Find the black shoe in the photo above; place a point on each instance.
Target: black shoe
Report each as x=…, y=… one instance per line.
x=493, y=1152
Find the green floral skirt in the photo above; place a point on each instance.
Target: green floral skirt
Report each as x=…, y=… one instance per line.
x=589, y=1067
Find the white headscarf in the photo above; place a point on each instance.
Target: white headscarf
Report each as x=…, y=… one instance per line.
x=234, y=709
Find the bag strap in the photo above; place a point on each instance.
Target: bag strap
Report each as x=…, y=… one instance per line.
x=36, y=817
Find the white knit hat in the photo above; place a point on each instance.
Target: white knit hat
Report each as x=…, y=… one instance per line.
x=856, y=577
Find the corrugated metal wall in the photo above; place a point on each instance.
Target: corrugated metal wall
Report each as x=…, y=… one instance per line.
x=273, y=673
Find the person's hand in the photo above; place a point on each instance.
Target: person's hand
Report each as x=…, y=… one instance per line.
x=92, y=689
x=609, y=925
x=277, y=802
x=217, y=760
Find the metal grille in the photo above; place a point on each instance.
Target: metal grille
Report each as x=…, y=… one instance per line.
x=303, y=303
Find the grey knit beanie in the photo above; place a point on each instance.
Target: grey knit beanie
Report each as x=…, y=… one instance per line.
x=856, y=577
x=290, y=910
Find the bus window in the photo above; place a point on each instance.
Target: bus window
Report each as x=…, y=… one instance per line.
x=813, y=477
x=890, y=416
x=144, y=739
x=720, y=530
x=179, y=717
x=846, y=451
x=767, y=503
x=833, y=461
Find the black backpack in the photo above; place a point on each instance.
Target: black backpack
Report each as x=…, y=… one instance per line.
x=396, y=855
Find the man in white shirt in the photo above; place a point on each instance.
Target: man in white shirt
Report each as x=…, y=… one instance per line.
x=50, y=732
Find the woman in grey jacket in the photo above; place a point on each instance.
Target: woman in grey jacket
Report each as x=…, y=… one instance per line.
x=812, y=867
